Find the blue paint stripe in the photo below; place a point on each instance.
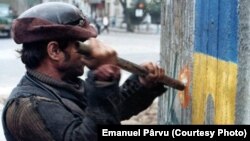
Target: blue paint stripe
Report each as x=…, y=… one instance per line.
x=216, y=24
x=200, y=29
x=213, y=12
x=228, y=26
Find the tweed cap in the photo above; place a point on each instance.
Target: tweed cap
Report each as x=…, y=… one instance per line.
x=51, y=20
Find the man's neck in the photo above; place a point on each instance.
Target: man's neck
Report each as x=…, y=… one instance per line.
x=49, y=70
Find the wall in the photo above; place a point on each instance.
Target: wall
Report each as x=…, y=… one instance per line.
x=199, y=46
x=243, y=91
x=215, y=62
x=177, y=43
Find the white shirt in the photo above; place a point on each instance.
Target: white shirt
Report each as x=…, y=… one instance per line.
x=105, y=21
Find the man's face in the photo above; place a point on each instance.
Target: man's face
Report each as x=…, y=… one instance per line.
x=72, y=66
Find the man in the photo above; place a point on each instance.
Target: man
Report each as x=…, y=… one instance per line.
x=105, y=22
x=51, y=103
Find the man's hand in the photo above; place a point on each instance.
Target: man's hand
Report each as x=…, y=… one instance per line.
x=107, y=72
x=154, y=76
x=99, y=54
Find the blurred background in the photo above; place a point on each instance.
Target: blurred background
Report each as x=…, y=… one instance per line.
x=133, y=15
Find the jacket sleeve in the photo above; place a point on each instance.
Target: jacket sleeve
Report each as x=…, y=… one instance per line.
x=136, y=98
x=46, y=119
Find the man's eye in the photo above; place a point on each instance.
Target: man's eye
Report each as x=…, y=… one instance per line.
x=77, y=44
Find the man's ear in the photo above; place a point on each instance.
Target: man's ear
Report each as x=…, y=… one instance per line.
x=54, y=52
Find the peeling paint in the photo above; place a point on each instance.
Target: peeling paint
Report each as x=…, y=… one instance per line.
x=184, y=96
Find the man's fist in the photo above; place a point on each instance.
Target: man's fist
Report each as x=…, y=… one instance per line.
x=99, y=54
x=155, y=75
x=107, y=72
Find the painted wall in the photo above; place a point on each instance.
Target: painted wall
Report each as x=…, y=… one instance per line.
x=215, y=61
x=203, y=50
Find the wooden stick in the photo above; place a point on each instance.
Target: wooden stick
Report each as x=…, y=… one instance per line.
x=136, y=69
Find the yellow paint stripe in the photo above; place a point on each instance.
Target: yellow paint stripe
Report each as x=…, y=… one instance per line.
x=217, y=78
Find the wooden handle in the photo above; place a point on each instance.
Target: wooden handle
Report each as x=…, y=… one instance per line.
x=136, y=69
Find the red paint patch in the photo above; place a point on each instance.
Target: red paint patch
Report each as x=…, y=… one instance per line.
x=184, y=95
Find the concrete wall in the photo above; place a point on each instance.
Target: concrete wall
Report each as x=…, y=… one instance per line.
x=243, y=91
x=177, y=43
x=203, y=45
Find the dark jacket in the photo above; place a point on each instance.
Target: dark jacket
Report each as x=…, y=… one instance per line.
x=42, y=108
